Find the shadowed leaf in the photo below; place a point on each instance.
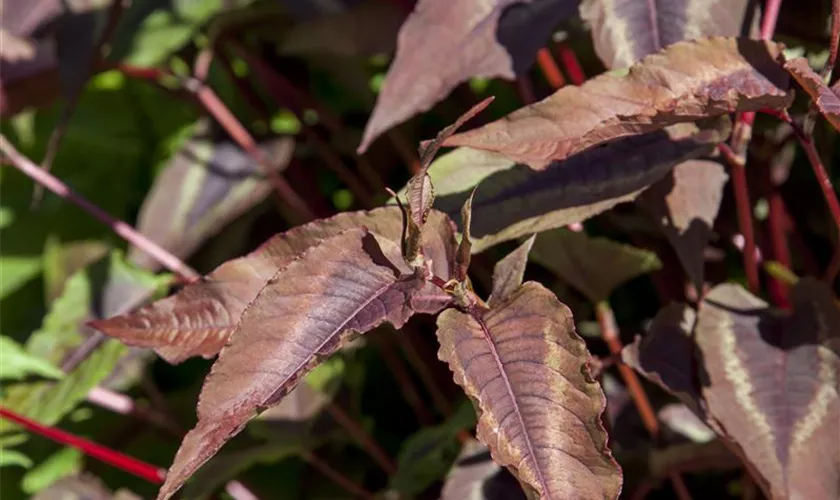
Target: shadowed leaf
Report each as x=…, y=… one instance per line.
x=516, y=201
x=824, y=98
x=767, y=381
x=344, y=286
x=685, y=82
x=199, y=320
x=462, y=255
x=594, y=266
x=205, y=186
x=685, y=205
x=475, y=476
x=443, y=44
x=509, y=272
x=365, y=29
x=625, y=31
x=527, y=371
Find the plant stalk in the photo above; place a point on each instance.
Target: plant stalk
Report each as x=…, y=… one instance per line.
x=363, y=438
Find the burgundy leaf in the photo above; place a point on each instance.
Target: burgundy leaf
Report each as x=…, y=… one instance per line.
x=824, y=98
x=509, y=272
x=685, y=204
x=540, y=409
x=199, y=320
x=594, y=266
x=625, y=31
x=205, y=186
x=516, y=201
x=765, y=381
x=445, y=43
x=685, y=82
x=462, y=256
x=344, y=286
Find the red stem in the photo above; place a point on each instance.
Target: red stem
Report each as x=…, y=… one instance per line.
x=736, y=157
x=571, y=63
x=769, y=19
x=124, y=230
x=363, y=438
x=337, y=477
x=549, y=69
x=111, y=457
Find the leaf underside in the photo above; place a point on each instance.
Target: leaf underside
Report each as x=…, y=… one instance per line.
x=685, y=82
x=767, y=381
x=199, y=320
x=824, y=98
x=346, y=285
x=526, y=369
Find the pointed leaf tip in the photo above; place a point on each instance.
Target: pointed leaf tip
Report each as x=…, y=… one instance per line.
x=510, y=271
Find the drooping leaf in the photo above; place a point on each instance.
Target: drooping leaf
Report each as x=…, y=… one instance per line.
x=426, y=456
x=516, y=201
x=475, y=476
x=594, y=266
x=9, y=458
x=683, y=83
x=766, y=382
x=446, y=43
x=61, y=464
x=205, y=186
x=685, y=204
x=625, y=31
x=824, y=98
x=334, y=291
x=365, y=29
x=540, y=409
x=199, y=320
x=509, y=272
x=18, y=364
x=462, y=255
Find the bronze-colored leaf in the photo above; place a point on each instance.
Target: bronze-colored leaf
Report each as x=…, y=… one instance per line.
x=515, y=201
x=685, y=204
x=444, y=43
x=462, y=256
x=683, y=83
x=475, y=476
x=198, y=320
x=594, y=266
x=205, y=186
x=540, y=409
x=509, y=272
x=824, y=98
x=334, y=291
x=766, y=382
x=625, y=31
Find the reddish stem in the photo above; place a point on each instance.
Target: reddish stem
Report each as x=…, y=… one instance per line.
x=111, y=457
x=124, y=230
x=336, y=476
x=780, y=249
x=405, y=150
x=769, y=18
x=525, y=89
x=549, y=69
x=571, y=63
x=400, y=372
x=364, y=439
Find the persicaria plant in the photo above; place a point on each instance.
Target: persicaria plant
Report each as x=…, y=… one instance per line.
x=744, y=380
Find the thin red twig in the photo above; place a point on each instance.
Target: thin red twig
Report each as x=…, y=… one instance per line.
x=111, y=457
x=336, y=476
x=549, y=69
x=570, y=61
x=124, y=230
x=363, y=438
x=403, y=378
x=737, y=161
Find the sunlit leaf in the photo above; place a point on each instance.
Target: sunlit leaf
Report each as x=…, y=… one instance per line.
x=510, y=271
x=685, y=204
x=683, y=83
x=825, y=99
x=766, y=381
x=515, y=201
x=594, y=266
x=199, y=320
x=540, y=409
x=625, y=31
x=205, y=186
x=334, y=291
x=18, y=364
x=475, y=476
x=443, y=44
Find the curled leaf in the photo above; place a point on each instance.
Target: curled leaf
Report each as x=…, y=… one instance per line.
x=199, y=320
x=824, y=98
x=344, y=286
x=509, y=272
x=683, y=83
x=462, y=256
x=527, y=371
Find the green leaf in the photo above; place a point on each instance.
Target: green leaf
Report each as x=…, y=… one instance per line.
x=428, y=455
x=13, y=457
x=17, y=363
x=63, y=463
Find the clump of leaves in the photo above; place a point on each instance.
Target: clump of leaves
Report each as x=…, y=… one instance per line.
x=275, y=314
